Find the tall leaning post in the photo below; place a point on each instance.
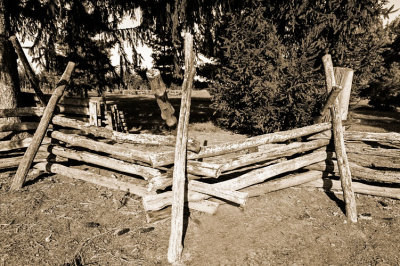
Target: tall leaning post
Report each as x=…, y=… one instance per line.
x=340, y=149
x=28, y=70
x=179, y=175
x=30, y=153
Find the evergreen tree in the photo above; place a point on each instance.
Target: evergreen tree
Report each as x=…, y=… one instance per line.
x=384, y=93
x=302, y=31
x=9, y=81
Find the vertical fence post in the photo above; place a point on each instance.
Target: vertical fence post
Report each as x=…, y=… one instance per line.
x=93, y=119
x=179, y=175
x=343, y=163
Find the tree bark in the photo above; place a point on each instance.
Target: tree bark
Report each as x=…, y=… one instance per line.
x=9, y=80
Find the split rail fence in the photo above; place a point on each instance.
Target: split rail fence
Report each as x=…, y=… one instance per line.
x=322, y=155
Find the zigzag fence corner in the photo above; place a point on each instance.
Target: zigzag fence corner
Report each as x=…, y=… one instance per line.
x=233, y=171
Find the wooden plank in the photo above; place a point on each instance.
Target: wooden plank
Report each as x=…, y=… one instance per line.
x=166, y=158
x=283, y=182
x=19, y=144
x=230, y=195
x=204, y=169
x=107, y=162
x=80, y=141
x=147, y=139
x=179, y=175
x=391, y=137
x=344, y=77
x=41, y=156
x=30, y=153
x=93, y=119
x=273, y=153
x=73, y=110
x=90, y=177
x=360, y=188
x=343, y=164
x=209, y=207
x=324, y=113
x=359, y=172
x=24, y=126
x=374, y=161
x=162, y=200
x=24, y=111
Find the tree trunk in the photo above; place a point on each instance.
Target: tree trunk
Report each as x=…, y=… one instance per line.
x=9, y=81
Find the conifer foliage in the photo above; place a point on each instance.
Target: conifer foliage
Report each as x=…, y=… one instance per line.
x=260, y=86
x=271, y=75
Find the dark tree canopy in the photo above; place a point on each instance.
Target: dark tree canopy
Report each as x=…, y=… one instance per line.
x=86, y=30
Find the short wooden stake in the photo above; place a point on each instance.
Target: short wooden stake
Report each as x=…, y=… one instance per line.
x=93, y=119
x=30, y=153
x=178, y=185
x=343, y=163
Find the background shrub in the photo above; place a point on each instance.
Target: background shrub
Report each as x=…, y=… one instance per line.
x=271, y=76
x=258, y=87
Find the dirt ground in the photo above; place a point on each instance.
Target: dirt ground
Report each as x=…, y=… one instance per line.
x=56, y=220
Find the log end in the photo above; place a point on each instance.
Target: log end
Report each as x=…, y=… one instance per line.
x=171, y=121
x=152, y=73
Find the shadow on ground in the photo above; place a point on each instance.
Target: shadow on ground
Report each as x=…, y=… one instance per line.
x=388, y=121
